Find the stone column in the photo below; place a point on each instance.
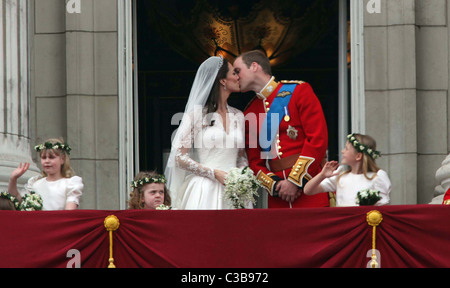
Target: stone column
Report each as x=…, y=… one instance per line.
x=390, y=79
x=15, y=146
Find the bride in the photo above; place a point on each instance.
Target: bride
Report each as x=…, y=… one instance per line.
x=209, y=142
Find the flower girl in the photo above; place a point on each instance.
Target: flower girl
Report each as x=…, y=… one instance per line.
x=58, y=186
x=359, y=184
x=149, y=192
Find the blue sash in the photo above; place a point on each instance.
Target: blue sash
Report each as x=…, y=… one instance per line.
x=277, y=111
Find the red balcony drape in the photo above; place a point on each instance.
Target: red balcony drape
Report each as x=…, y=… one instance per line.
x=408, y=236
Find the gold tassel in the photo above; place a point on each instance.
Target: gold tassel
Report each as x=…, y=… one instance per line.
x=374, y=218
x=111, y=224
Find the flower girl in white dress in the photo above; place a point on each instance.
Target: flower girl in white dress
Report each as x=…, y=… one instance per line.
x=58, y=186
x=363, y=174
x=209, y=142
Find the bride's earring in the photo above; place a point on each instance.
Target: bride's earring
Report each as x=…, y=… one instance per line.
x=224, y=87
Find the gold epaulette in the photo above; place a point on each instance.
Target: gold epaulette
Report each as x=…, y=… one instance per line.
x=292, y=81
x=266, y=181
x=446, y=202
x=299, y=171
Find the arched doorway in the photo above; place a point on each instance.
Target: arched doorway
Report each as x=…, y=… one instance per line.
x=165, y=78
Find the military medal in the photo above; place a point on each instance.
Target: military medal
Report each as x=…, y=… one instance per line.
x=287, y=118
x=292, y=132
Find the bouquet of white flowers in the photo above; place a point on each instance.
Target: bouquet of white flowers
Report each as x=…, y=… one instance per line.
x=367, y=197
x=163, y=207
x=241, y=187
x=31, y=202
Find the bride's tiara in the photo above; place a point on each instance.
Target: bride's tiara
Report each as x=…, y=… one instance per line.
x=220, y=62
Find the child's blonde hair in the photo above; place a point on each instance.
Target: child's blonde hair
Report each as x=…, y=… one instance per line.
x=66, y=169
x=136, y=195
x=368, y=162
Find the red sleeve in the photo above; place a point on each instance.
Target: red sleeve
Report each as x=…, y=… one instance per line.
x=256, y=162
x=314, y=126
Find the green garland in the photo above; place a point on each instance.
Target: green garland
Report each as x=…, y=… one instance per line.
x=363, y=148
x=7, y=196
x=55, y=146
x=148, y=180
x=30, y=202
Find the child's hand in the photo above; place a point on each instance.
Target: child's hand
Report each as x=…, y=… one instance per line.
x=19, y=171
x=329, y=168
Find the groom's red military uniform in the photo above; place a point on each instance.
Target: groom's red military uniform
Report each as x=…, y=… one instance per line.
x=298, y=147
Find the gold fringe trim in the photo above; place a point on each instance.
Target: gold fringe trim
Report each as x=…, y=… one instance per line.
x=111, y=224
x=374, y=219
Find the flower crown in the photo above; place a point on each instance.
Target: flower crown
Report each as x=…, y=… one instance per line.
x=7, y=196
x=30, y=202
x=363, y=148
x=47, y=145
x=148, y=180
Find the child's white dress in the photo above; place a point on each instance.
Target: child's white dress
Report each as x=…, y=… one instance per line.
x=56, y=194
x=350, y=184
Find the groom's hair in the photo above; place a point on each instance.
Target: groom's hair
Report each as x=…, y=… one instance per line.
x=259, y=57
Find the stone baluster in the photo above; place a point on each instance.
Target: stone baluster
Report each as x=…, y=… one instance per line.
x=443, y=181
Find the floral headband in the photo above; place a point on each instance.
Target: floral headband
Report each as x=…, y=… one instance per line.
x=363, y=148
x=147, y=180
x=30, y=202
x=47, y=145
x=7, y=196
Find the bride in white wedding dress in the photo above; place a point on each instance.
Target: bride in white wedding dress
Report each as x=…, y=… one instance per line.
x=209, y=142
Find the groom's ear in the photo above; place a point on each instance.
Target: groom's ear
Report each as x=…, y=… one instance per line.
x=254, y=67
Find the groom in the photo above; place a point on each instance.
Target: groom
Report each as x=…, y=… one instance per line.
x=286, y=157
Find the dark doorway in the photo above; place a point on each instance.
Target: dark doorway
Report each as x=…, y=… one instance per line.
x=165, y=79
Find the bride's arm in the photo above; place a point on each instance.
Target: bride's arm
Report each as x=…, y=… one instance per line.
x=184, y=161
x=183, y=158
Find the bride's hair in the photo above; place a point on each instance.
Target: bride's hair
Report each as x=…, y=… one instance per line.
x=213, y=99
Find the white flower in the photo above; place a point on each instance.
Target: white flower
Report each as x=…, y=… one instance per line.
x=163, y=207
x=31, y=202
x=241, y=186
x=367, y=197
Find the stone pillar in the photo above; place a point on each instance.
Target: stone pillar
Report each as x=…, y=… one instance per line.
x=74, y=90
x=15, y=146
x=390, y=78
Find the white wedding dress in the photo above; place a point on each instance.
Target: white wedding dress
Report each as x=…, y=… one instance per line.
x=204, y=148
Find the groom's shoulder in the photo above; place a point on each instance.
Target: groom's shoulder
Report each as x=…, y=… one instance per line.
x=302, y=86
x=299, y=82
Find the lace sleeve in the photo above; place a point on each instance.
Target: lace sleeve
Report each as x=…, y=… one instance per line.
x=184, y=161
x=183, y=158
